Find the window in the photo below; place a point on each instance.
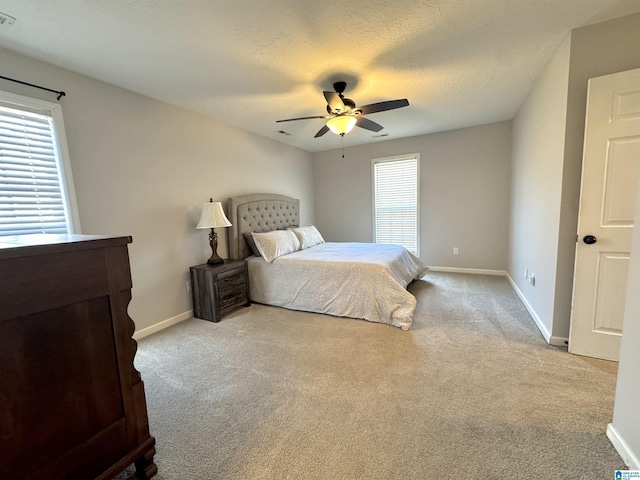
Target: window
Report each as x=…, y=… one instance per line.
x=36, y=187
x=396, y=200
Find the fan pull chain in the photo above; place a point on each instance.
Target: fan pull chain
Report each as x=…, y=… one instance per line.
x=342, y=138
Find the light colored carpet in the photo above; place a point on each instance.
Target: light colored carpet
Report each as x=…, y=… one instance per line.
x=471, y=391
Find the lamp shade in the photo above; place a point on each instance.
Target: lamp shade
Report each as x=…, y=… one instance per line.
x=213, y=216
x=341, y=124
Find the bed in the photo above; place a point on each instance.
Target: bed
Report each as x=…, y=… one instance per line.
x=356, y=280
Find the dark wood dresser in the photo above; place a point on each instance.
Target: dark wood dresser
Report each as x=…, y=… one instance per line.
x=72, y=405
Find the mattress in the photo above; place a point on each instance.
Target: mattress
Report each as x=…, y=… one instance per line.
x=356, y=280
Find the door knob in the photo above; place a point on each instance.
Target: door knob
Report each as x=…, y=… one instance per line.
x=589, y=239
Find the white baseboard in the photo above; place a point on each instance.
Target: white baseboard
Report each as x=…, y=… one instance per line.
x=477, y=271
x=558, y=341
x=629, y=458
x=145, y=332
x=551, y=340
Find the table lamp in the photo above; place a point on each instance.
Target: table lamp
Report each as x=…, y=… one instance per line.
x=213, y=216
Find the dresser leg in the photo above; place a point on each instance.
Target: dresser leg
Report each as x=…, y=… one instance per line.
x=145, y=468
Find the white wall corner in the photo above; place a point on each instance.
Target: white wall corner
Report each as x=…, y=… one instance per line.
x=629, y=458
x=551, y=340
x=156, y=327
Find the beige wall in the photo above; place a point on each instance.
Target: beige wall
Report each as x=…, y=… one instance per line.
x=536, y=187
x=464, y=192
x=143, y=168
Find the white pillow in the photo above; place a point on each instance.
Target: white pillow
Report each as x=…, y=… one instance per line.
x=276, y=243
x=307, y=236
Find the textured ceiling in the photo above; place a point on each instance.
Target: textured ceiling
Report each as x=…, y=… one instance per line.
x=252, y=62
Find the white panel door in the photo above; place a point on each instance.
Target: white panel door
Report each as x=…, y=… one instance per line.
x=610, y=166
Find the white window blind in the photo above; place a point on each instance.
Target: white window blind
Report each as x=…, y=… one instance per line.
x=396, y=201
x=32, y=196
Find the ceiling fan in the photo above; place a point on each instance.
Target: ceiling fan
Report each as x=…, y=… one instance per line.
x=343, y=114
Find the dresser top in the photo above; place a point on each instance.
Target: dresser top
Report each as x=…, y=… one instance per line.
x=42, y=244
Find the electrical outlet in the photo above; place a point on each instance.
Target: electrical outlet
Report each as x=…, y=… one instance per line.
x=6, y=20
x=188, y=285
x=456, y=250
x=532, y=280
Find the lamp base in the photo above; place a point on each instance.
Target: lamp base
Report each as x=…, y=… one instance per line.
x=215, y=259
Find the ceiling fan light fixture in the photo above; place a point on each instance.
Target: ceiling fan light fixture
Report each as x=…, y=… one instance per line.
x=343, y=115
x=341, y=124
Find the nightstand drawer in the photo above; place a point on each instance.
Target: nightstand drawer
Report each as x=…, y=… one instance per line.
x=232, y=279
x=233, y=299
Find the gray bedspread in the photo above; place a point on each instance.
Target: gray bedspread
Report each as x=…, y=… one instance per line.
x=357, y=280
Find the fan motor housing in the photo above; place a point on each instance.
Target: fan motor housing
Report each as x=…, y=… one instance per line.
x=349, y=103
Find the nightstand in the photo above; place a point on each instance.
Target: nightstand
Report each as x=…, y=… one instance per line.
x=219, y=289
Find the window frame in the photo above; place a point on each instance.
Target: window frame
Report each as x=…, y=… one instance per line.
x=396, y=158
x=54, y=110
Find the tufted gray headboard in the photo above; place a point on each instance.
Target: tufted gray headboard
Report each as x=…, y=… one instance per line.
x=260, y=212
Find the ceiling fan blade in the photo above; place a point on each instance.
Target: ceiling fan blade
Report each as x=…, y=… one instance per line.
x=334, y=101
x=383, y=106
x=300, y=118
x=321, y=132
x=368, y=124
